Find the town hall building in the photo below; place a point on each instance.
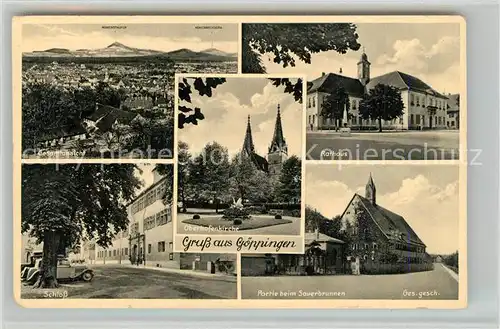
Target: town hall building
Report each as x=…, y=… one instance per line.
x=277, y=152
x=424, y=107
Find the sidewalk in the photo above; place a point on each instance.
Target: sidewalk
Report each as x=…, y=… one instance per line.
x=218, y=276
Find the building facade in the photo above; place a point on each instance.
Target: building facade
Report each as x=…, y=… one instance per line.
x=424, y=107
x=453, y=112
x=148, y=239
x=380, y=241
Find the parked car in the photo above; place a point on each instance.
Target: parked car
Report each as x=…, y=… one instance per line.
x=65, y=271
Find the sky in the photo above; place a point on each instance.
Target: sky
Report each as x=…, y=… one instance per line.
x=226, y=115
x=426, y=196
x=163, y=37
x=431, y=52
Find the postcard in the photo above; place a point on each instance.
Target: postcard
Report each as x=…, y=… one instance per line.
x=256, y=161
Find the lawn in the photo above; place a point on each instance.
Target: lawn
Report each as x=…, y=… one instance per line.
x=247, y=224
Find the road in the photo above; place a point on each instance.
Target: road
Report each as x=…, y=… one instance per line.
x=115, y=281
x=407, y=145
x=435, y=284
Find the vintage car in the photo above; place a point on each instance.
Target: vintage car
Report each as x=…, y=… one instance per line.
x=65, y=271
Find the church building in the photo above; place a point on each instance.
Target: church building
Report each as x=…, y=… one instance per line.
x=380, y=241
x=424, y=107
x=277, y=152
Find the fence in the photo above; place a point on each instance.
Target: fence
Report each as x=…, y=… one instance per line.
x=379, y=268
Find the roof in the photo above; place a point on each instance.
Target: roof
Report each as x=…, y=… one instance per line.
x=278, y=139
x=105, y=116
x=147, y=190
x=260, y=162
x=310, y=237
x=63, y=131
x=390, y=222
x=330, y=81
x=403, y=81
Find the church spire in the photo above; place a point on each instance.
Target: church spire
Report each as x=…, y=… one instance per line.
x=248, y=143
x=278, y=141
x=370, y=190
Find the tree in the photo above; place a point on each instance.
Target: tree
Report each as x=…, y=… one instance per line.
x=167, y=171
x=209, y=173
x=204, y=87
x=382, y=103
x=285, y=42
x=47, y=107
x=183, y=179
x=247, y=182
x=288, y=187
x=63, y=203
x=334, y=105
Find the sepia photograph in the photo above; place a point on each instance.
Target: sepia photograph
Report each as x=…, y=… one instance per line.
x=375, y=91
x=107, y=91
x=239, y=160
x=372, y=232
x=105, y=231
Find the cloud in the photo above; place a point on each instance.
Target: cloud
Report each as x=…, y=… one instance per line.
x=431, y=210
x=226, y=120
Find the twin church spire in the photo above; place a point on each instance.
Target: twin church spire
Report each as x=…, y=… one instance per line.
x=278, y=149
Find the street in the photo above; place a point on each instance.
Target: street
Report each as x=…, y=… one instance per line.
x=404, y=145
x=436, y=284
x=115, y=281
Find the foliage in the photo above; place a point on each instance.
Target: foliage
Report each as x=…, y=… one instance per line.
x=47, y=107
x=166, y=170
x=63, y=203
x=235, y=212
x=382, y=103
x=203, y=87
x=288, y=188
x=388, y=257
x=285, y=42
x=334, y=104
x=290, y=87
x=183, y=179
x=247, y=182
x=209, y=173
x=451, y=260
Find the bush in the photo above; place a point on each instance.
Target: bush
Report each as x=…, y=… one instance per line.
x=277, y=216
x=196, y=216
x=237, y=222
x=233, y=213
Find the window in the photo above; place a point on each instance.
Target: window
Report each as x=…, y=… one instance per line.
x=418, y=119
x=161, y=246
x=374, y=246
x=149, y=248
x=114, y=252
x=412, y=102
x=126, y=251
x=366, y=246
x=418, y=101
x=314, y=101
x=171, y=256
x=109, y=253
x=170, y=245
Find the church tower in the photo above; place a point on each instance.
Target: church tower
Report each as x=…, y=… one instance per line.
x=370, y=190
x=278, y=150
x=364, y=69
x=248, y=146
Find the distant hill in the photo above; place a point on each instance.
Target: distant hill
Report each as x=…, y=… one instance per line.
x=217, y=52
x=118, y=52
